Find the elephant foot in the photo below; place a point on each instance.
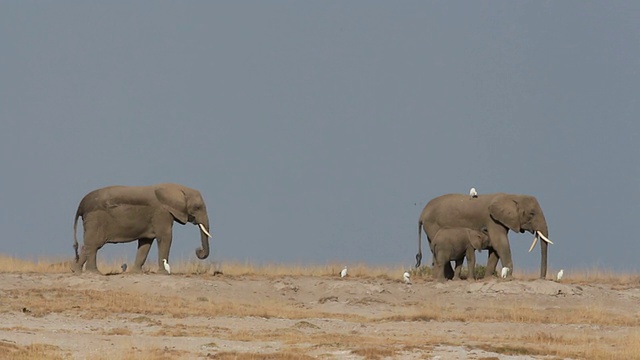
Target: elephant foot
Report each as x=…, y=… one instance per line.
x=135, y=270
x=93, y=271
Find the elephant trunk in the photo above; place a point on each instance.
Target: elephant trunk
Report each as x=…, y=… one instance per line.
x=544, y=246
x=203, y=252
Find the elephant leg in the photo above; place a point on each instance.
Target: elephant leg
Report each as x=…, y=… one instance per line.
x=91, y=255
x=503, y=251
x=471, y=264
x=94, y=240
x=144, y=245
x=164, y=246
x=492, y=262
x=448, y=270
x=77, y=266
x=458, y=269
x=437, y=269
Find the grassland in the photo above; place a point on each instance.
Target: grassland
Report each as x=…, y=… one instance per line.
x=244, y=311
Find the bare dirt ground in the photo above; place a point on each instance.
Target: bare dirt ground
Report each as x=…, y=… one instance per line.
x=151, y=316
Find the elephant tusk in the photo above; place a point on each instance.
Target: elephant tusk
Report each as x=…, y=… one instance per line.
x=204, y=230
x=535, y=240
x=544, y=237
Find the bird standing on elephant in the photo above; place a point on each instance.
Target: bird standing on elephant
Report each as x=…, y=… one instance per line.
x=120, y=214
x=498, y=212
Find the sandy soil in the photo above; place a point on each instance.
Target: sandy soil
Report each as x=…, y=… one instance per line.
x=339, y=316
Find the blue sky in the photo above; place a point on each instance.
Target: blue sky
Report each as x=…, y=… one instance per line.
x=317, y=131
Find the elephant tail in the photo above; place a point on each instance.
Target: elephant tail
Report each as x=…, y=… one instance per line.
x=75, y=227
x=419, y=254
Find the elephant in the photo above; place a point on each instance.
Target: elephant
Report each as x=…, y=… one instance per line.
x=498, y=212
x=120, y=214
x=453, y=244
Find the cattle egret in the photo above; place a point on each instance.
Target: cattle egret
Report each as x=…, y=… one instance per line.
x=123, y=267
x=343, y=273
x=560, y=273
x=407, y=277
x=473, y=193
x=166, y=266
x=505, y=272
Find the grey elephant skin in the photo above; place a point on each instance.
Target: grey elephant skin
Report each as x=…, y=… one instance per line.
x=454, y=244
x=120, y=214
x=498, y=213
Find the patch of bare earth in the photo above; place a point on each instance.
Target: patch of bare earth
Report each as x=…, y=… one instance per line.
x=149, y=316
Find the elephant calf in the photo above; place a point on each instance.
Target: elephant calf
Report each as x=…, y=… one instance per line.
x=454, y=244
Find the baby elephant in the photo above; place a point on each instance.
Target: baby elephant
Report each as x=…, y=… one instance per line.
x=453, y=245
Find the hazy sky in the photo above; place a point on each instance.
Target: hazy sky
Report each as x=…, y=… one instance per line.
x=318, y=130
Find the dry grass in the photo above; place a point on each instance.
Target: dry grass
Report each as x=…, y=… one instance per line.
x=583, y=276
x=148, y=354
x=285, y=355
x=572, y=346
x=9, y=350
x=94, y=304
x=151, y=312
x=196, y=267
x=522, y=312
x=284, y=270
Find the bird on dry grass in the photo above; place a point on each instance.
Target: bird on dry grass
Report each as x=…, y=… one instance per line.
x=406, y=277
x=560, y=274
x=473, y=193
x=505, y=272
x=166, y=266
x=343, y=273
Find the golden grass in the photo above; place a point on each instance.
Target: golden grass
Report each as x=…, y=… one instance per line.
x=149, y=310
x=118, y=331
x=148, y=354
x=10, y=350
x=284, y=355
x=284, y=270
x=522, y=312
x=196, y=267
x=102, y=304
x=583, y=276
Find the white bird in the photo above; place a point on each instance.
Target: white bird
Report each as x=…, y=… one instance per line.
x=407, y=277
x=123, y=267
x=560, y=273
x=166, y=266
x=505, y=272
x=343, y=273
x=473, y=193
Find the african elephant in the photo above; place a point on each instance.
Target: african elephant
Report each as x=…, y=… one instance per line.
x=120, y=214
x=453, y=244
x=497, y=212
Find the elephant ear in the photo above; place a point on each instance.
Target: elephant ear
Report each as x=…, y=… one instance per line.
x=174, y=200
x=475, y=239
x=504, y=210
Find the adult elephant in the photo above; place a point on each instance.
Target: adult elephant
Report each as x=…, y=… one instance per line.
x=498, y=213
x=119, y=214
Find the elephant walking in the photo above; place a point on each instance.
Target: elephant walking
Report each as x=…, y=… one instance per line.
x=498, y=213
x=120, y=214
x=454, y=244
